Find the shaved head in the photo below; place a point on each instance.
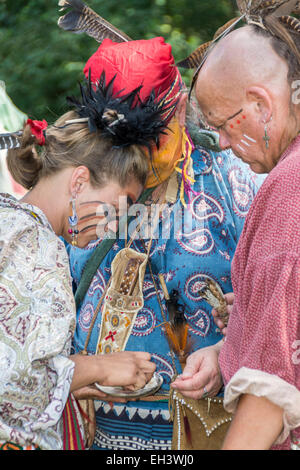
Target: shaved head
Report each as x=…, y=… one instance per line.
x=240, y=60
x=251, y=53
x=243, y=90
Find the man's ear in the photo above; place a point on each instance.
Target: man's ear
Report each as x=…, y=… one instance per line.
x=181, y=109
x=80, y=178
x=262, y=101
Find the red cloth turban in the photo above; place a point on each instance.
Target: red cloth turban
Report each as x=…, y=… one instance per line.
x=146, y=62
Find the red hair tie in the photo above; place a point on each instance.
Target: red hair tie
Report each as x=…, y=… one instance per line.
x=37, y=129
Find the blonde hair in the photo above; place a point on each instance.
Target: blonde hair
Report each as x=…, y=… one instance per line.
x=73, y=145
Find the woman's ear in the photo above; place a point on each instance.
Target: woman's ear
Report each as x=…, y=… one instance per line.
x=262, y=101
x=80, y=178
x=181, y=109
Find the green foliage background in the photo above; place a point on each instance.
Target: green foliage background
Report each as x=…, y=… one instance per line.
x=41, y=64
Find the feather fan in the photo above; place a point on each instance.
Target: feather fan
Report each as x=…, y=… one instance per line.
x=212, y=293
x=82, y=19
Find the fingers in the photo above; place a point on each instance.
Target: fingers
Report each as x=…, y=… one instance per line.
x=189, y=388
x=143, y=362
x=198, y=394
x=144, y=367
x=193, y=389
x=220, y=324
x=195, y=383
x=89, y=392
x=140, y=355
x=128, y=369
x=192, y=378
x=138, y=382
x=206, y=376
x=141, y=381
x=229, y=301
x=229, y=298
x=190, y=369
x=141, y=359
x=145, y=370
x=147, y=367
x=218, y=321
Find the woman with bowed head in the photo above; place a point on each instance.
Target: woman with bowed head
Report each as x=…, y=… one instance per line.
x=91, y=156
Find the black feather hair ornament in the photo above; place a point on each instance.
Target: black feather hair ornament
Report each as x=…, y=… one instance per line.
x=125, y=119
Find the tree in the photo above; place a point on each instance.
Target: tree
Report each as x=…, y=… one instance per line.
x=42, y=64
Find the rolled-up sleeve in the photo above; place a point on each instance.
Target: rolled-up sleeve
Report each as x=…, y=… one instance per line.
x=272, y=387
x=259, y=355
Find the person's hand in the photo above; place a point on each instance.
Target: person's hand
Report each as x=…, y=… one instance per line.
x=218, y=321
x=128, y=369
x=131, y=370
x=201, y=375
x=91, y=392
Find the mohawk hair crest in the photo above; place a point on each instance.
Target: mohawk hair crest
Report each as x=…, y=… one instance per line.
x=273, y=16
x=125, y=119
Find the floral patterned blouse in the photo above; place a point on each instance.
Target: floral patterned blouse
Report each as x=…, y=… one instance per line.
x=37, y=321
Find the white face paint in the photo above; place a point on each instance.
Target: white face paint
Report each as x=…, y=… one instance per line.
x=249, y=138
x=247, y=141
x=241, y=148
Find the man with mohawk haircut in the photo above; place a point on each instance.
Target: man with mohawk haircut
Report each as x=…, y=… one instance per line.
x=259, y=360
x=205, y=194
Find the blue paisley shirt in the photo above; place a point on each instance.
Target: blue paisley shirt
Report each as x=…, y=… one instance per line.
x=201, y=248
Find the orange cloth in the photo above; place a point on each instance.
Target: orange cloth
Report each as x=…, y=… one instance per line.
x=176, y=147
x=164, y=159
x=187, y=168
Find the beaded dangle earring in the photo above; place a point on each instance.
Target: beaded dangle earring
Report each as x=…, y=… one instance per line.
x=266, y=137
x=73, y=222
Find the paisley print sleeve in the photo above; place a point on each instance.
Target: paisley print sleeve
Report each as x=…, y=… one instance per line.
x=37, y=314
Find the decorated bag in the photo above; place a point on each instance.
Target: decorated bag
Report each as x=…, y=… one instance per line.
x=123, y=300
